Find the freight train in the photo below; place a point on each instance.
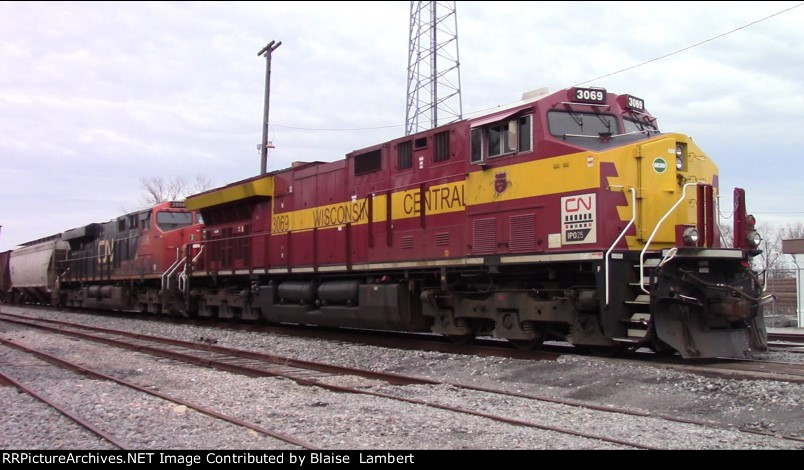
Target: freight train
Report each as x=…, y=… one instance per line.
x=566, y=216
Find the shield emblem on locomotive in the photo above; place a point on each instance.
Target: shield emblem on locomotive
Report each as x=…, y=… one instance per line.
x=500, y=183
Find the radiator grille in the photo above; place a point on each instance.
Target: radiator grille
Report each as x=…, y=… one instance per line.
x=523, y=235
x=484, y=236
x=406, y=243
x=442, y=239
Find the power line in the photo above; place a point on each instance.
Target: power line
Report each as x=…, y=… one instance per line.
x=778, y=212
x=581, y=83
x=728, y=214
x=694, y=45
x=336, y=129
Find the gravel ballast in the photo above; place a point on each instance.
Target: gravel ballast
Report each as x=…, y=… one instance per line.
x=349, y=421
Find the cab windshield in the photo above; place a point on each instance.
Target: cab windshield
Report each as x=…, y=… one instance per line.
x=631, y=125
x=172, y=220
x=572, y=124
x=597, y=131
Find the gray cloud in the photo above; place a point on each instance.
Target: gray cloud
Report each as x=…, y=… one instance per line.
x=94, y=96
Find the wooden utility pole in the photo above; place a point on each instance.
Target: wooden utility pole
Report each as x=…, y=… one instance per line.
x=266, y=51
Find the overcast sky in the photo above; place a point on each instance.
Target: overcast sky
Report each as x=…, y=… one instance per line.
x=95, y=96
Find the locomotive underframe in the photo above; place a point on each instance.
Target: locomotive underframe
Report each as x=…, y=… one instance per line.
x=523, y=304
x=700, y=305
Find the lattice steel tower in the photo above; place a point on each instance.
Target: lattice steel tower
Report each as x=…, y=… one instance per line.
x=434, y=76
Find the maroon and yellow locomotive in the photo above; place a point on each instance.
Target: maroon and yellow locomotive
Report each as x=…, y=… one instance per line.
x=566, y=216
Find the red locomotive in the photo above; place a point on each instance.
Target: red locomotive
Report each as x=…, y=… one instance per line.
x=567, y=216
x=122, y=264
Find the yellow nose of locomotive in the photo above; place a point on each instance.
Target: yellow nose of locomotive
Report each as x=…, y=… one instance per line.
x=665, y=172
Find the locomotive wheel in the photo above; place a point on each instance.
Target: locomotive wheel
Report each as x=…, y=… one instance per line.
x=540, y=331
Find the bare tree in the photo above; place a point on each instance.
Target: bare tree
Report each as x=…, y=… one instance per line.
x=787, y=265
x=772, y=261
x=158, y=189
x=793, y=231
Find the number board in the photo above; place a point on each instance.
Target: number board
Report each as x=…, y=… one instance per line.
x=589, y=95
x=632, y=102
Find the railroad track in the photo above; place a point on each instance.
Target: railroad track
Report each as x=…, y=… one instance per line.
x=315, y=374
x=794, y=338
x=394, y=339
x=301, y=372
x=109, y=436
x=787, y=342
x=484, y=346
x=748, y=369
x=81, y=421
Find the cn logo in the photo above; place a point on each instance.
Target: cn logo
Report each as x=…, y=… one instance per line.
x=579, y=203
x=578, y=224
x=105, y=251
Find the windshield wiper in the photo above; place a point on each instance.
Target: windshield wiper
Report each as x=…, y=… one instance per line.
x=580, y=135
x=605, y=122
x=644, y=131
x=606, y=136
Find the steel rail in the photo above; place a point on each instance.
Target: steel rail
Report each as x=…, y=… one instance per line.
x=200, y=408
x=247, y=370
x=79, y=420
x=394, y=378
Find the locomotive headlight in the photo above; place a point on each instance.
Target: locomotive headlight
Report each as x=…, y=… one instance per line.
x=691, y=236
x=679, y=157
x=753, y=239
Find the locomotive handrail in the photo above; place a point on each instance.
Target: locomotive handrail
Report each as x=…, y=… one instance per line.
x=200, y=250
x=169, y=271
x=653, y=234
x=717, y=217
x=183, y=275
x=608, y=252
x=173, y=271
